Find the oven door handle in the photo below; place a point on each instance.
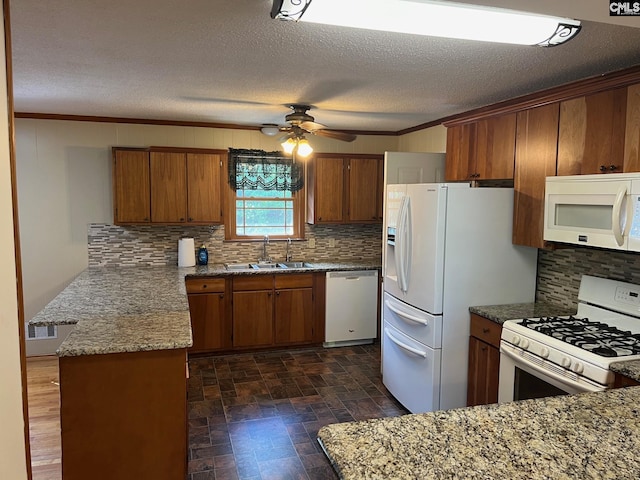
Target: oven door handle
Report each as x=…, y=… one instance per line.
x=585, y=385
x=404, y=346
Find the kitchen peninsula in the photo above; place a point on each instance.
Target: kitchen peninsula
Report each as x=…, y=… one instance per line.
x=123, y=368
x=591, y=435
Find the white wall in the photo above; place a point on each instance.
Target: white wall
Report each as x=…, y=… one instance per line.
x=12, y=447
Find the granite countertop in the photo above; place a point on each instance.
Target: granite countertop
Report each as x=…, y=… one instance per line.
x=591, y=435
x=131, y=309
x=502, y=313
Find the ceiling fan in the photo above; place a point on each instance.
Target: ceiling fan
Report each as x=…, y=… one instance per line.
x=300, y=122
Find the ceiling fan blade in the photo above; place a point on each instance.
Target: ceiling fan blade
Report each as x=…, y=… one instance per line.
x=345, y=137
x=312, y=126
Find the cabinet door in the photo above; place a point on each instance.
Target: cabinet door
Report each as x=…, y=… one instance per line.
x=204, y=197
x=209, y=323
x=168, y=187
x=380, y=194
x=495, y=148
x=484, y=368
x=590, y=139
x=461, y=152
x=252, y=318
x=363, y=192
x=536, y=142
x=632, y=130
x=131, y=187
x=329, y=190
x=294, y=316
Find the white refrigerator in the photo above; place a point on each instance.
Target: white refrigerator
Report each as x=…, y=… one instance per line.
x=447, y=247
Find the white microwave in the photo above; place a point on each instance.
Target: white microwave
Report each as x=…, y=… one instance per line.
x=594, y=210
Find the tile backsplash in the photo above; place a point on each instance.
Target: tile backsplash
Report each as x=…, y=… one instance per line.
x=560, y=271
x=111, y=245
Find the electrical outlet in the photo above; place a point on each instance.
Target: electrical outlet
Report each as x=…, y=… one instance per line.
x=311, y=243
x=332, y=242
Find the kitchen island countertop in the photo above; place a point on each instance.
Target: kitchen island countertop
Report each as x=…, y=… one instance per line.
x=585, y=436
x=130, y=309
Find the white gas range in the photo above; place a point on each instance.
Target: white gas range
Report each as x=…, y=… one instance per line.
x=571, y=354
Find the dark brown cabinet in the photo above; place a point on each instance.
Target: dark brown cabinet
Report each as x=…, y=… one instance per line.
x=484, y=361
x=590, y=136
x=209, y=306
x=293, y=309
x=482, y=150
x=167, y=186
x=632, y=130
x=132, y=200
x=344, y=189
x=622, y=381
x=536, y=144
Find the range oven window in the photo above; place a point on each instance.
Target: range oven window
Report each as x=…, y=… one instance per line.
x=527, y=386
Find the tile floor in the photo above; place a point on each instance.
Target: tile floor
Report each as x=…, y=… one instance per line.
x=255, y=416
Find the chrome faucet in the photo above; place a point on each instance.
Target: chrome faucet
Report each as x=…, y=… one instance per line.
x=265, y=241
x=288, y=254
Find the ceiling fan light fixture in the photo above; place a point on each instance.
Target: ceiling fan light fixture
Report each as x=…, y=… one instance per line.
x=433, y=18
x=270, y=129
x=304, y=148
x=288, y=145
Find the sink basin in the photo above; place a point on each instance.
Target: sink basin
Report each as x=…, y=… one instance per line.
x=238, y=266
x=295, y=265
x=261, y=266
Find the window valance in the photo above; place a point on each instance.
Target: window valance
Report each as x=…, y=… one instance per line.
x=260, y=170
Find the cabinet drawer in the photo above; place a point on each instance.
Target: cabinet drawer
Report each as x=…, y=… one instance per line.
x=205, y=285
x=294, y=281
x=485, y=330
x=252, y=282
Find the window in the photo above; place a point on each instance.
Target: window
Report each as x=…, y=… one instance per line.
x=265, y=196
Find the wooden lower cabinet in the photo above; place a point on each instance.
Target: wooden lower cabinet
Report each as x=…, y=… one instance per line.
x=124, y=415
x=209, y=307
x=253, y=318
x=621, y=381
x=294, y=309
x=484, y=361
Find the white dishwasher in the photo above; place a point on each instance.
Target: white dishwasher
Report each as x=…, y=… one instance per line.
x=351, y=316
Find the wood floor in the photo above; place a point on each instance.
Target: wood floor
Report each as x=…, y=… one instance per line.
x=44, y=417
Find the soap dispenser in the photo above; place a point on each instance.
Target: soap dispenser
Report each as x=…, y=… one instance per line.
x=203, y=255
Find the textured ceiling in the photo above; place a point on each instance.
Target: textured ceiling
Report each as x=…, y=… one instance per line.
x=229, y=62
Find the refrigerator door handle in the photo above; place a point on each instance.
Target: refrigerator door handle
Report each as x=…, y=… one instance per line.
x=406, y=316
x=398, y=250
x=404, y=346
x=407, y=246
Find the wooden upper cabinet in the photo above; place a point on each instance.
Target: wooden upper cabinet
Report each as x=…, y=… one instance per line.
x=168, y=187
x=536, y=150
x=461, y=152
x=132, y=200
x=632, y=130
x=591, y=138
x=495, y=147
x=482, y=150
x=328, y=190
x=363, y=190
x=204, y=195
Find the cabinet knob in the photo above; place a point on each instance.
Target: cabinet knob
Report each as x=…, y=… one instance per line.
x=269, y=294
x=182, y=219
x=319, y=218
x=146, y=219
x=484, y=349
x=190, y=219
x=204, y=286
x=221, y=295
x=613, y=168
x=485, y=330
x=603, y=168
x=277, y=293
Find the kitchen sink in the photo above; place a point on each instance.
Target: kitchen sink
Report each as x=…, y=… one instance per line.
x=295, y=265
x=238, y=266
x=261, y=266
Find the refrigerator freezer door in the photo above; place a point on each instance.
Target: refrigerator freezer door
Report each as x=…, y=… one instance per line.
x=419, y=325
x=411, y=371
x=414, y=264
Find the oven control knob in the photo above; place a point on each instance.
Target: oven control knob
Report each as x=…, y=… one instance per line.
x=524, y=344
x=565, y=362
x=578, y=367
x=544, y=353
x=515, y=340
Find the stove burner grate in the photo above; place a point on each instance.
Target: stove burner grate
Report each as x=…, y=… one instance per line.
x=592, y=336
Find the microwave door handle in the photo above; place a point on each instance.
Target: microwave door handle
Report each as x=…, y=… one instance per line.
x=615, y=215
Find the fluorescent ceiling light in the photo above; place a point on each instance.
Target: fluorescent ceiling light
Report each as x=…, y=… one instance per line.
x=433, y=18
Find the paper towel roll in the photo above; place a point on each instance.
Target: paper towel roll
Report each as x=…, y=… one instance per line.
x=186, y=252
